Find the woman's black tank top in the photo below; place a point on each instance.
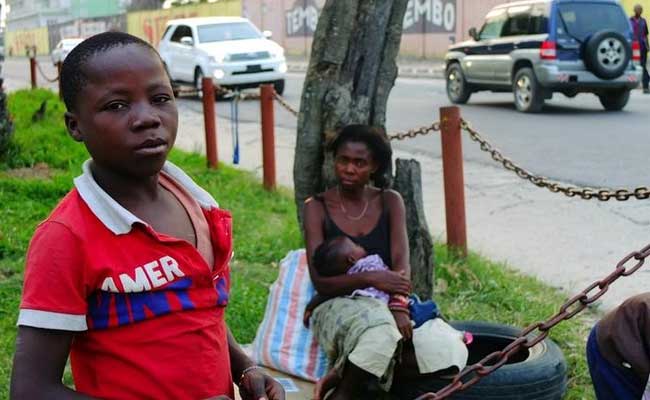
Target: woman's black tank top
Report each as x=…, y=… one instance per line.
x=377, y=241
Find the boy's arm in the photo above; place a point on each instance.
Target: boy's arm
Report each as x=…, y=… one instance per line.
x=39, y=362
x=253, y=384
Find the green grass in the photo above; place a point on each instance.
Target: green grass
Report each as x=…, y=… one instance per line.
x=264, y=230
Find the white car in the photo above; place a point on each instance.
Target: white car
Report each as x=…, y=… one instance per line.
x=62, y=49
x=230, y=50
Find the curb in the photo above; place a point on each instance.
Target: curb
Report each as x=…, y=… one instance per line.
x=437, y=71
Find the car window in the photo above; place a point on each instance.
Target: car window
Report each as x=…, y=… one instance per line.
x=228, y=31
x=580, y=20
x=180, y=32
x=493, y=24
x=166, y=31
x=539, y=19
x=518, y=22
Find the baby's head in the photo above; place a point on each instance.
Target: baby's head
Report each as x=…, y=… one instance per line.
x=120, y=103
x=336, y=256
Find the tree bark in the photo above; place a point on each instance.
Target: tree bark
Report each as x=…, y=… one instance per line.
x=408, y=182
x=351, y=72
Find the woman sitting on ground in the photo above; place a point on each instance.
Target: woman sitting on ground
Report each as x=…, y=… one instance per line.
x=360, y=335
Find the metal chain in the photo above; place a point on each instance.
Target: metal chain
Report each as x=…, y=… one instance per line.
x=525, y=340
x=586, y=193
x=284, y=104
x=424, y=130
x=38, y=65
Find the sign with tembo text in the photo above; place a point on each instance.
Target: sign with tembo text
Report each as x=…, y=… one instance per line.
x=421, y=16
x=435, y=16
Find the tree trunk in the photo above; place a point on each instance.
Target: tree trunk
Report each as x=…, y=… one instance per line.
x=351, y=72
x=408, y=182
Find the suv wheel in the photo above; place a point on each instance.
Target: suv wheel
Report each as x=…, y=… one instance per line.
x=528, y=93
x=458, y=89
x=614, y=100
x=607, y=54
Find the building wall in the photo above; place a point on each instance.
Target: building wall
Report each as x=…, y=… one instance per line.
x=150, y=25
x=95, y=8
x=629, y=6
x=32, y=14
x=15, y=41
x=429, y=25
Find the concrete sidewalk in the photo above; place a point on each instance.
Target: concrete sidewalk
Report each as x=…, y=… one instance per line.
x=567, y=243
x=408, y=68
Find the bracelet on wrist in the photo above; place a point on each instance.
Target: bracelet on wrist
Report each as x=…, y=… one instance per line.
x=246, y=371
x=399, y=309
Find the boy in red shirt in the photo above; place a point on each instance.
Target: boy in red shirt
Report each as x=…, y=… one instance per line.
x=129, y=274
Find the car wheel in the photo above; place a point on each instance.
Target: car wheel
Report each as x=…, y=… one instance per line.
x=539, y=373
x=279, y=86
x=614, y=100
x=529, y=96
x=607, y=54
x=458, y=90
x=198, y=82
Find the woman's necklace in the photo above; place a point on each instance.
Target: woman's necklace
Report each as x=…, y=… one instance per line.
x=363, y=213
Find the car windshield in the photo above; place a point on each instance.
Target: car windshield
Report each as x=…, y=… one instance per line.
x=229, y=31
x=583, y=19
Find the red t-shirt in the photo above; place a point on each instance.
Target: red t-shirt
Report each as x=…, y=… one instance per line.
x=147, y=308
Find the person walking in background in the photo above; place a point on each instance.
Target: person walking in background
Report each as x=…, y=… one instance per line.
x=640, y=30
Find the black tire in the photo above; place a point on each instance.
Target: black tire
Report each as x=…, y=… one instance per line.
x=607, y=54
x=279, y=86
x=458, y=90
x=614, y=100
x=539, y=376
x=529, y=95
x=198, y=82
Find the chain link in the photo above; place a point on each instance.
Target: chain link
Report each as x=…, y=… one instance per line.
x=424, y=130
x=38, y=65
x=285, y=104
x=586, y=193
x=527, y=339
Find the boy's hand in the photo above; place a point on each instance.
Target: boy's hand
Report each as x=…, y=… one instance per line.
x=259, y=386
x=403, y=324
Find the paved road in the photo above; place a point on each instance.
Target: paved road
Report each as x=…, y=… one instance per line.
x=573, y=140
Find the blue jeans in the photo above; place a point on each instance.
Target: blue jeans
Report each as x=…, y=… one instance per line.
x=611, y=382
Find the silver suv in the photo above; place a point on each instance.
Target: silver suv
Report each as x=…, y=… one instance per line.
x=537, y=48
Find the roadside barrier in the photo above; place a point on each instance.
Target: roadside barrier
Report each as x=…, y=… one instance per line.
x=210, y=123
x=576, y=304
x=40, y=70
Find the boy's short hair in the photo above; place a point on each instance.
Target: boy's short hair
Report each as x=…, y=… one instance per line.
x=326, y=256
x=73, y=77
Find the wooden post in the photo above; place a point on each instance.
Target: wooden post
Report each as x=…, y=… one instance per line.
x=452, y=168
x=210, y=123
x=32, y=69
x=268, y=139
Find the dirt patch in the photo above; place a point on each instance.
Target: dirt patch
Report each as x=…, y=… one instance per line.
x=38, y=171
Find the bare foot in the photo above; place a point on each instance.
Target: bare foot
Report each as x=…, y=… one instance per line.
x=325, y=384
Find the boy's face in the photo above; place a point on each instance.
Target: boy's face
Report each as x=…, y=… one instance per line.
x=125, y=114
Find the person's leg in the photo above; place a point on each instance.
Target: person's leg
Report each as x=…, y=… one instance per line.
x=644, y=65
x=609, y=381
x=352, y=382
